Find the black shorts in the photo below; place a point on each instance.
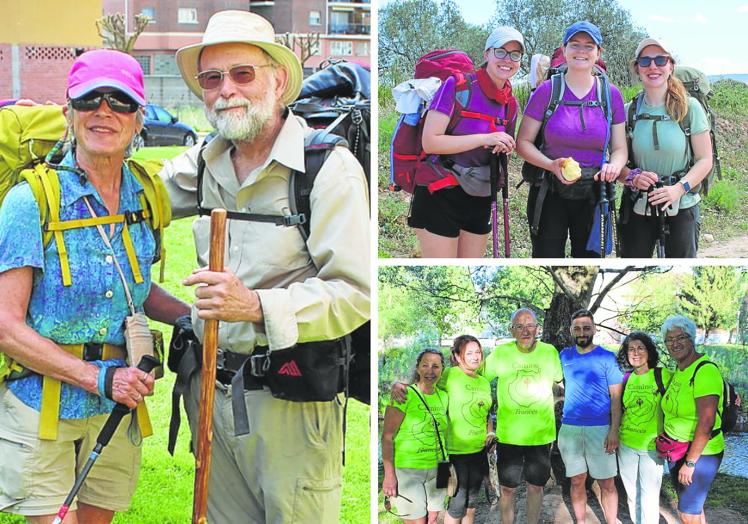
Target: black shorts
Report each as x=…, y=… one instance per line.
x=533, y=461
x=448, y=211
x=471, y=469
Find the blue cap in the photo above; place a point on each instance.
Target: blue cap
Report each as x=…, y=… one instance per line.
x=584, y=27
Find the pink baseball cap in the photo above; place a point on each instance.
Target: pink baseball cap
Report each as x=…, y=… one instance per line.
x=106, y=68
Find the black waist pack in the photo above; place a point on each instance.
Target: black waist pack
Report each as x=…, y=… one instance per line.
x=306, y=372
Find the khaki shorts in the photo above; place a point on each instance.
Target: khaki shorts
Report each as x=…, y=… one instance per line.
x=287, y=469
x=419, y=485
x=36, y=475
x=583, y=449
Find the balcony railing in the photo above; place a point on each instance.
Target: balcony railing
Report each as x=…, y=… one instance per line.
x=350, y=29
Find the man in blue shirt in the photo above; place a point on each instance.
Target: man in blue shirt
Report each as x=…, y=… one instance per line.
x=592, y=415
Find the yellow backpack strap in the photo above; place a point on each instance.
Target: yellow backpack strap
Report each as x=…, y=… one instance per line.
x=144, y=421
x=156, y=200
x=51, y=185
x=49, y=413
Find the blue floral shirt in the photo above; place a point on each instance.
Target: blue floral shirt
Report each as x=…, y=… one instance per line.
x=93, y=309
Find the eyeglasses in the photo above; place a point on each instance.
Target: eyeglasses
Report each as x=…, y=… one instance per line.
x=587, y=48
x=680, y=338
x=388, y=505
x=501, y=53
x=118, y=102
x=523, y=327
x=240, y=74
x=659, y=60
x=582, y=329
x=637, y=350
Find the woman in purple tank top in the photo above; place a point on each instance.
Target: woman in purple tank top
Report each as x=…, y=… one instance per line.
x=470, y=119
x=557, y=208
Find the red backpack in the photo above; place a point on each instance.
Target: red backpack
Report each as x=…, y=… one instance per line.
x=406, y=148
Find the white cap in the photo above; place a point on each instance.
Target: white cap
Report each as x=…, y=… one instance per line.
x=502, y=35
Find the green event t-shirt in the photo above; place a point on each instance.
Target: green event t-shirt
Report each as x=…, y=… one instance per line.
x=469, y=403
x=679, y=404
x=415, y=443
x=642, y=413
x=524, y=393
x=672, y=155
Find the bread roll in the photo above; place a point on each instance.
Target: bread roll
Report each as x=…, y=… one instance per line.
x=570, y=169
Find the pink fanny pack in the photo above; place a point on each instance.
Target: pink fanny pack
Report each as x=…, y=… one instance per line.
x=671, y=449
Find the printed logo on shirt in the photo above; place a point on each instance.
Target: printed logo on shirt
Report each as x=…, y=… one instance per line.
x=290, y=368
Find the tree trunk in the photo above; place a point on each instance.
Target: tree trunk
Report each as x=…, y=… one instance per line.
x=573, y=291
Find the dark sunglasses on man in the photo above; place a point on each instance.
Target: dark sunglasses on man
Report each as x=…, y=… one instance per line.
x=118, y=102
x=659, y=60
x=240, y=75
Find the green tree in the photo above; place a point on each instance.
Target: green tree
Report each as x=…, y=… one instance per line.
x=412, y=28
x=652, y=302
x=711, y=297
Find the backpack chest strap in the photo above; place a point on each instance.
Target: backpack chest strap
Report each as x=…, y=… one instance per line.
x=581, y=105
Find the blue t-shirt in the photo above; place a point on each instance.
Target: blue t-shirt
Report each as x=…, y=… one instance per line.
x=85, y=311
x=587, y=377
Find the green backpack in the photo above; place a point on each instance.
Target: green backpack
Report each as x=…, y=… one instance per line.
x=698, y=86
x=27, y=135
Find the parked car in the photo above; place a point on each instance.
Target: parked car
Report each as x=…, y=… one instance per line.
x=161, y=128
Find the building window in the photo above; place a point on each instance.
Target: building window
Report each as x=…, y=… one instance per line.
x=339, y=48
x=362, y=49
x=315, y=49
x=145, y=63
x=187, y=15
x=165, y=65
x=315, y=18
x=150, y=12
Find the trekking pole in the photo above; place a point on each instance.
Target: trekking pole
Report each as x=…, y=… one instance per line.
x=208, y=379
x=660, y=215
x=494, y=179
x=503, y=163
x=603, y=218
x=147, y=363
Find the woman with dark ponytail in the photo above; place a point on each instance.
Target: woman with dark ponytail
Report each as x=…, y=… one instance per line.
x=666, y=164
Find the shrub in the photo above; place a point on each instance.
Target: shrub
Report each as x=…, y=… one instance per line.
x=724, y=195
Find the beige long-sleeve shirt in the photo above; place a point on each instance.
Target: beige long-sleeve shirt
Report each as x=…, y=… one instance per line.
x=300, y=302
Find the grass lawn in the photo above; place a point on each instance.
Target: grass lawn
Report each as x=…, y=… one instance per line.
x=164, y=493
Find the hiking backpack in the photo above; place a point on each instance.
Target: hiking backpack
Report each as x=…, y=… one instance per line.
x=354, y=377
x=697, y=85
x=558, y=64
x=27, y=136
x=730, y=402
x=534, y=175
x=337, y=99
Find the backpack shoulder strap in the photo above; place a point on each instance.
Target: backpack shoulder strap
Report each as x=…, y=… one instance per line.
x=463, y=89
x=200, y=172
x=725, y=392
x=558, y=86
x=698, y=367
x=658, y=380
x=318, y=144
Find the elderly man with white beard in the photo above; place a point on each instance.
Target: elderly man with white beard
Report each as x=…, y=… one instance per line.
x=279, y=289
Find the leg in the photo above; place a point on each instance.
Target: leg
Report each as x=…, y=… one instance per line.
x=687, y=518
x=638, y=237
x=506, y=503
x=94, y=515
x=579, y=214
x=650, y=481
x=550, y=240
x=579, y=497
x=436, y=246
x=469, y=517
x=534, y=503
x=609, y=495
x=70, y=518
x=471, y=245
x=628, y=467
x=683, y=240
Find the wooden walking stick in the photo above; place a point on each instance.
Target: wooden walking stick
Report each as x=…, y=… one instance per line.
x=208, y=378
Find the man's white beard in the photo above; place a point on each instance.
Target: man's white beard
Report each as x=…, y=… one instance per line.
x=241, y=126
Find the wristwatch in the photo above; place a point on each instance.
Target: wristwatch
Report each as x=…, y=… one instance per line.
x=691, y=463
x=685, y=185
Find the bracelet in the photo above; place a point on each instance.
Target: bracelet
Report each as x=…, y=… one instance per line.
x=100, y=381
x=629, y=182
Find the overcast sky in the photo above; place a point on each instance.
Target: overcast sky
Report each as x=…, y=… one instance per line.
x=711, y=35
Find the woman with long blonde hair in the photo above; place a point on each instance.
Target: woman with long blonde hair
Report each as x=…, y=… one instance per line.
x=668, y=163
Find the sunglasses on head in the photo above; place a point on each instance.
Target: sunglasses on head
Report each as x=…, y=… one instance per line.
x=240, y=75
x=118, y=102
x=659, y=60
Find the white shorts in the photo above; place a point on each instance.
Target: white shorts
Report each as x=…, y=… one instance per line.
x=418, y=485
x=583, y=450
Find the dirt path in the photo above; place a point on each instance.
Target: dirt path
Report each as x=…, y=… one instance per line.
x=734, y=248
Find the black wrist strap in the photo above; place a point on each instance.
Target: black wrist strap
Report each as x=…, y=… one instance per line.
x=436, y=424
x=108, y=379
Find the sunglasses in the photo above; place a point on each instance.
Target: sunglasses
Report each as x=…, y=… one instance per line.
x=659, y=60
x=118, y=102
x=501, y=53
x=240, y=75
